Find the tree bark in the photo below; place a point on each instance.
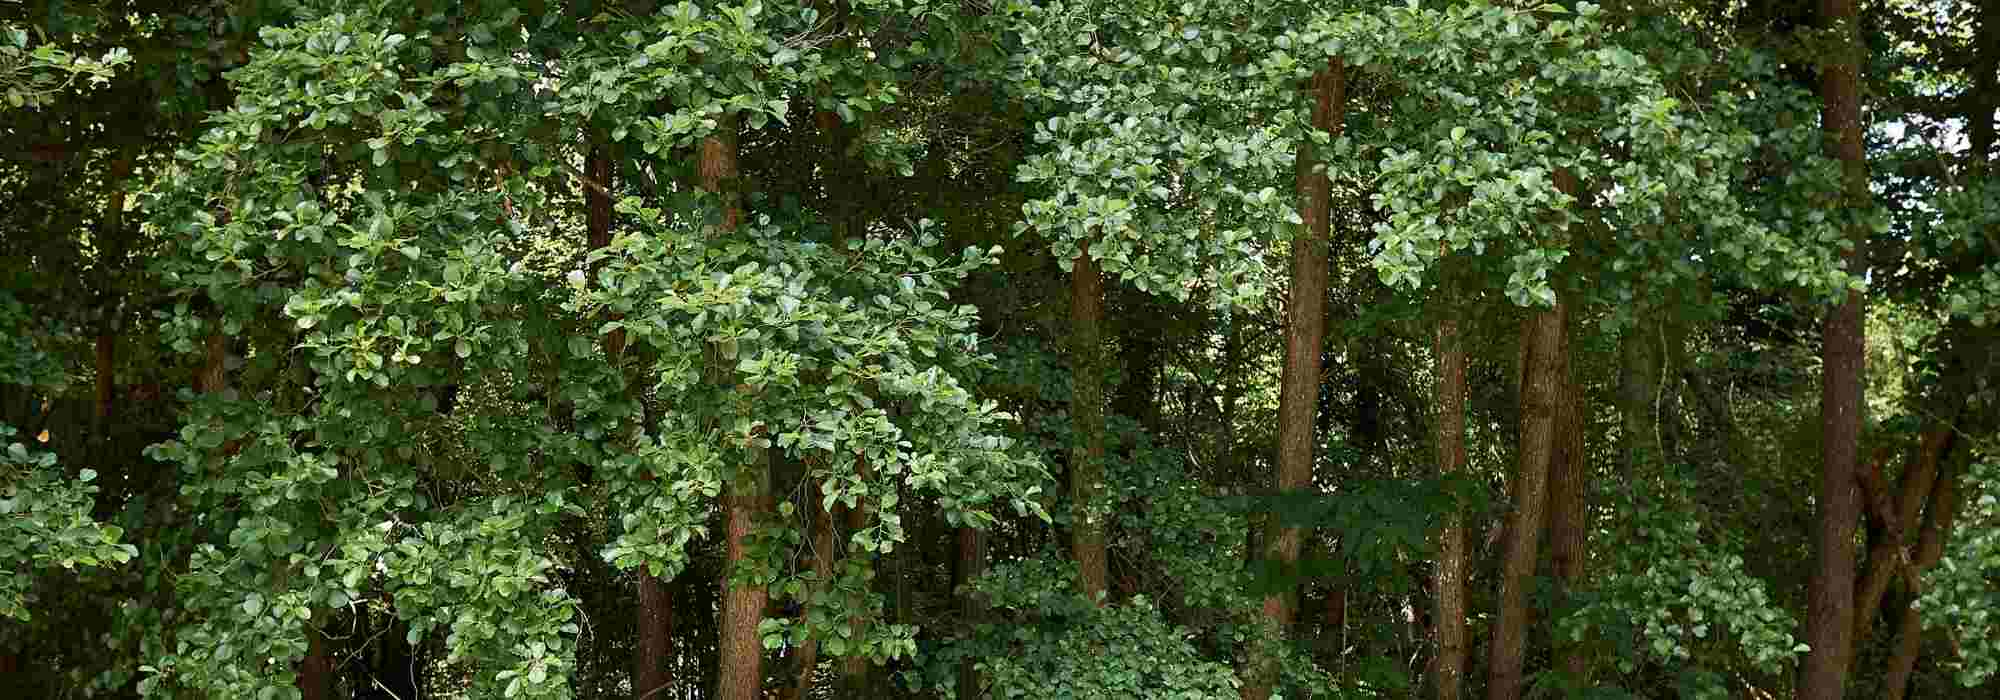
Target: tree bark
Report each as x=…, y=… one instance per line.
x=1086, y=468
x=746, y=497
x=854, y=670
x=315, y=680
x=822, y=568
x=1452, y=636
x=1569, y=485
x=1941, y=513
x=1542, y=387
x=972, y=606
x=1887, y=553
x=1305, y=330
x=1830, y=615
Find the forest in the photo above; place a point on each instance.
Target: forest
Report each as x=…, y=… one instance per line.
x=966, y=349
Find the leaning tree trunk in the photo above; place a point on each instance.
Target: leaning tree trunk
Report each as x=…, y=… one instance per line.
x=1830, y=597
x=1452, y=636
x=1298, y=391
x=1541, y=398
x=1940, y=514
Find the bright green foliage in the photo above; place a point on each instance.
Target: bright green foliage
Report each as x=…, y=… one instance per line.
x=1059, y=645
x=1673, y=597
x=32, y=77
x=1959, y=597
x=45, y=521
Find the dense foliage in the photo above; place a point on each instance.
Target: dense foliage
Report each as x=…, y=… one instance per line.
x=1069, y=349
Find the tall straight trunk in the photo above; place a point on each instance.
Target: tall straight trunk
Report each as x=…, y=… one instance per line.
x=854, y=670
x=1569, y=489
x=1542, y=388
x=1940, y=515
x=972, y=606
x=822, y=567
x=1086, y=467
x=1641, y=375
x=1298, y=388
x=747, y=497
x=1452, y=636
x=1830, y=596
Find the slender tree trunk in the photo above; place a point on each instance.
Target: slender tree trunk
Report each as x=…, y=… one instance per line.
x=854, y=670
x=316, y=669
x=1452, y=635
x=1086, y=467
x=1541, y=398
x=972, y=606
x=822, y=567
x=1941, y=514
x=747, y=497
x=1830, y=615
x=1985, y=94
x=1298, y=391
x=1886, y=554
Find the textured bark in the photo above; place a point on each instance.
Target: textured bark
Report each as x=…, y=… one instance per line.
x=822, y=567
x=1298, y=390
x=1569, y=479
x=1830, y=596
x=1888, y=555
x=1086, y=463
x=1452, y=636
x=1541, y=398
x=1985, y=94
x=972, y=607
x=213, y=377
x=747, y=497
x=1941, y=513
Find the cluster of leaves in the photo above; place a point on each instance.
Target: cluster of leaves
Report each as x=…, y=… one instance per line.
x=1958, y=595
x=45, y=520
x=1671, y=597
x=1056, y=644
x=32, y=77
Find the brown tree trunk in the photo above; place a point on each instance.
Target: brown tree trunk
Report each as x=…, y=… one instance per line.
x=1886, y=554
x=1830, y=596
x=1452, y=636
x=316, y=669
x=747, y=497
x=972, y=606
x=1298, y=390
x=1086, y=468
x=1568, y=494
x=854, y=670
x=822, y=567
x=1542, y=387
x=1940, y=514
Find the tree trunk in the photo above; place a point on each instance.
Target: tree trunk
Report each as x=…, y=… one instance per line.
x=1568, y=494
x=822, y=567
x=1542, y=387
x=1941, y=513
x=1086, y=467
x=1830, y=615
x=316, y=669
x=746, y=497
x=1886, y=554
x=1298, y=391
x=1452, y=636
x=854, y=670
x=972, y=606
